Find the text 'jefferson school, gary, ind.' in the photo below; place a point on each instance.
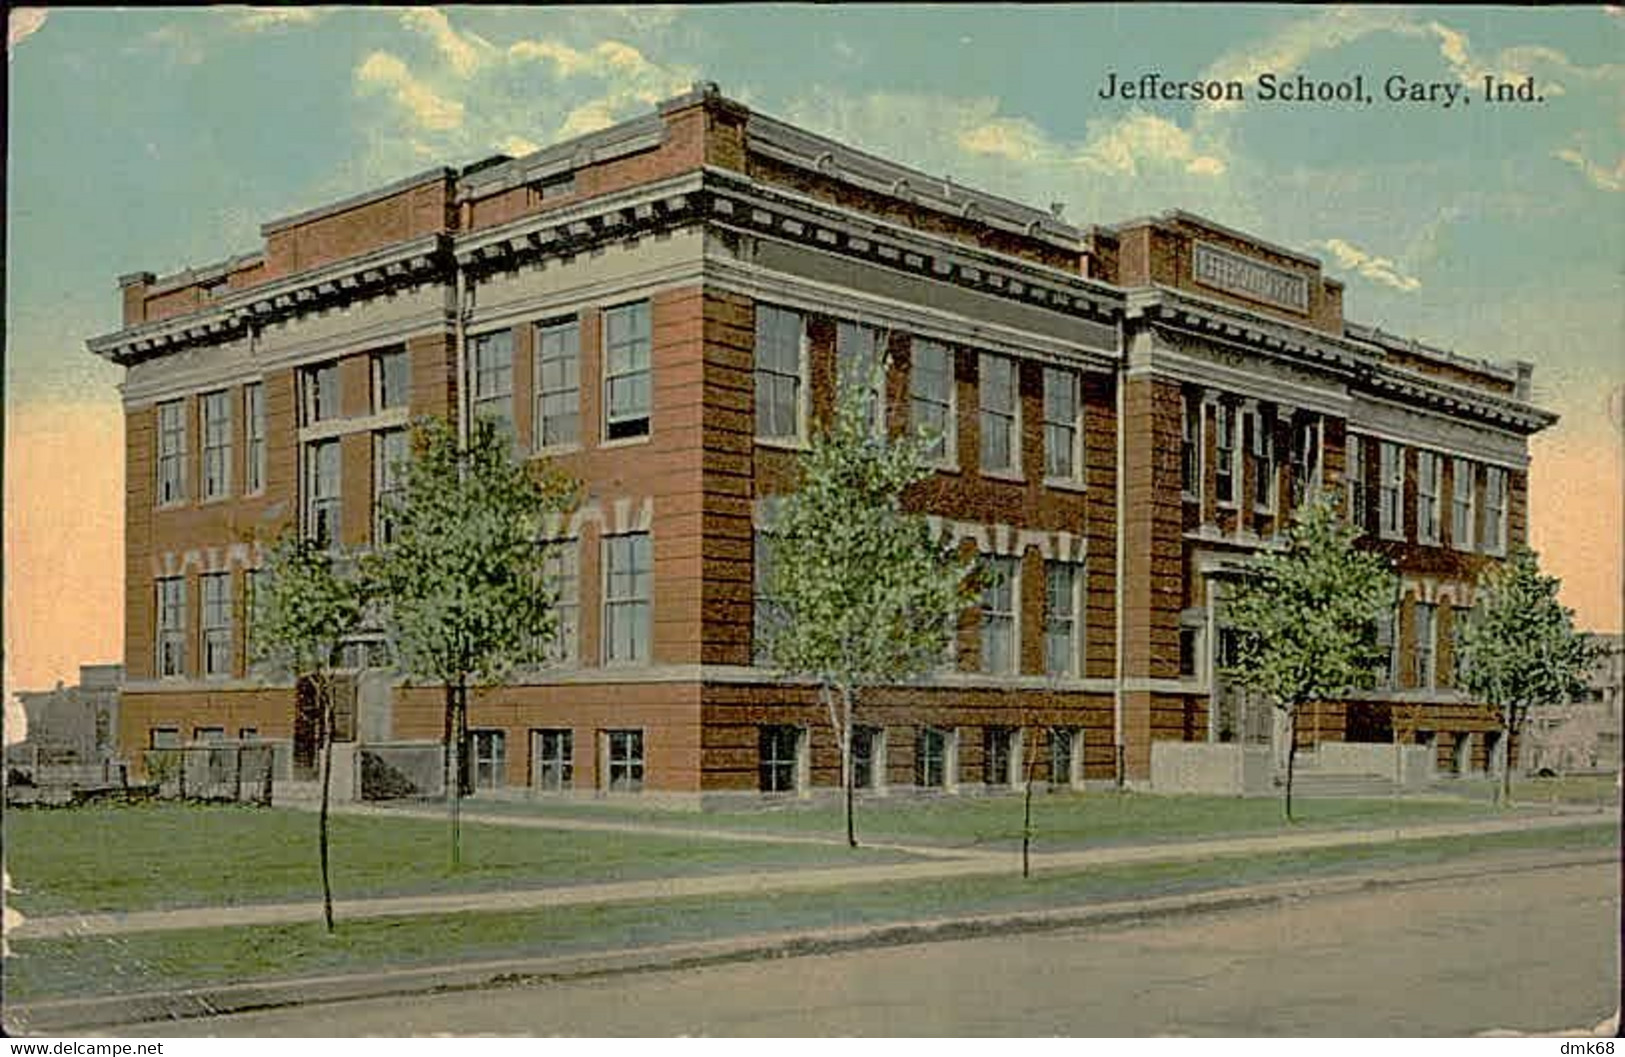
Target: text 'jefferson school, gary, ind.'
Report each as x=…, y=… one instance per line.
x=1356, y=89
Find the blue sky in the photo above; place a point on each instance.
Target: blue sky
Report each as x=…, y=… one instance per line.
x=156, y=139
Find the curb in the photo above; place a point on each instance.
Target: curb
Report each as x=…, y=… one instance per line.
x=55, y=1016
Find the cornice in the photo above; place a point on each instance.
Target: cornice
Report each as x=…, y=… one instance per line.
x=341, y=283
x=809, y=151
x=576, y=227
x=742, y=204
x=1358, y=364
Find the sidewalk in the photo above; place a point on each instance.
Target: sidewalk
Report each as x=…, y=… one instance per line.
x=955, y=864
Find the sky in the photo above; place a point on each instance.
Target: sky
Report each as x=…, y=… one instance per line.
x=155, y=139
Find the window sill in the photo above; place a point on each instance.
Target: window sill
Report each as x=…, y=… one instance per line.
x=217, y=500
x=784, y=443
x=1189, y=497
x=1065, y=484
x=1013, y=476
x=173, y=504
x=1391, y=537
x=551, y=450
x=624, y=442
x=1267, y=510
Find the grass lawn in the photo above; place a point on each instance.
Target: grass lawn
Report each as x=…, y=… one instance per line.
x=156, y=961
x=1060, y=820
x=1568, y=789
x=147, y=856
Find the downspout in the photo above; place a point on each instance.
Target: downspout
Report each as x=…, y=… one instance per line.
x=1118, y=505
x=460, y=313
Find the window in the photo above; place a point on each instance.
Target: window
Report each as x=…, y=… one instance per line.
x=1263, y=422
x=1000, y=755
x=554, y=763
x=1063, y=426
x=1065, y=756
x=931, y=399
x=391, y=379
x=1354, y=478
x=1459, y=616
x=1428, y=484
x=164, y=737
x=1190, y=638
x=254, y=429
x=997, y=395
x=490, y=754
x=931, y=758
x=858, y=369
x=322, y=495
x=627, y=386
x=209, y=735
x=623, y=751
x=868, y=757
x=558, y=385
x=999, y=617
x=172, y=452
x=172, y=626
x=1390, y=489
x=1426, y=644
x=251, y=585
x=248, y=734
x=1224, y=477
x=1388, y=647
x=561, y=570
x=626, y=598
x=777, y=751
x=1305, y=470
x=390, y=451
x=1061, y=638
x=490, y=366
x=1494, y=532
x=216, y=444
x=1462, y=473
x=1190, y=447
x=319, y=393
x=766, y=614
x=216, y=623
x=781, y=345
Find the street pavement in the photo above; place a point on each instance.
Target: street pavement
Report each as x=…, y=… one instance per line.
x=1481, y=952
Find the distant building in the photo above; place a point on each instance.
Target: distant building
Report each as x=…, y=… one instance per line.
x=72, y=724
x=665, y=309
x=1583, y=735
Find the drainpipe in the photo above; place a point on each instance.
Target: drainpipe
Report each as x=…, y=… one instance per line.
x=461, y=313
x=1118, y=506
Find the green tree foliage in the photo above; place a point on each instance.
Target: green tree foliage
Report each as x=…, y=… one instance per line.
x=862, y=594
x=1305, y=617
x=1519, y=649
x=460, y=590
x=306, y=603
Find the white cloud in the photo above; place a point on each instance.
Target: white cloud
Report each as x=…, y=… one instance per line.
x=23, y=23
x=1126, y=146
x=1295, y=43
x=1377, y=269
x=427, y=109
x=464, y=53
x=1600, y=176
x=451, y=95
x=517, y=146
x=257, y=19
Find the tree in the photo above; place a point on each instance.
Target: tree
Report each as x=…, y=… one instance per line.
x=305, y=604
x=1519, y=649
x=461, y=588
x=1305, y=617
x=863, y=594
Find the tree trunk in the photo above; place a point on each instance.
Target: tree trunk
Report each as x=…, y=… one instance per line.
x=848, y=777
x=324, y=690
x=454, y=768
x=1291, y=755
x=1027, y=808
x=1509, y=724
